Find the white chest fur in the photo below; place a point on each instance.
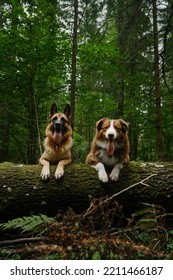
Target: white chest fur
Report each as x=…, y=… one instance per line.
x=106, y=159
x=103, y=155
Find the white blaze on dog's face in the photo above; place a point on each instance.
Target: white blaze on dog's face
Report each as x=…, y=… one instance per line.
x=111, y=131
x=111, y=135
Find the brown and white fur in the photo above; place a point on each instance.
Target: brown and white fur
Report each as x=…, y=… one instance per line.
x=58, y=143
x=110, y=148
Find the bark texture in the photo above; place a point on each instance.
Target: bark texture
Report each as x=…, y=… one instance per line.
x=23, y=193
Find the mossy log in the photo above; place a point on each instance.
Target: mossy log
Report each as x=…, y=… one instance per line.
x=23, y=193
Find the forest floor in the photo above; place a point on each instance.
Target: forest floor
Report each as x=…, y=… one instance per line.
x=101, y=232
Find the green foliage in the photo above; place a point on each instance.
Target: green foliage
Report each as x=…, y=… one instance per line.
x=31, y=66
x=34, y=224
x=55, y=256
x=80, y=148
x=95, y=236
x=114, y=73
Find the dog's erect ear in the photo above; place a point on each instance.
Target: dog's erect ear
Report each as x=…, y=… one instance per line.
x=67, y=111
x=99, y=124
x=53, y=109
x=125, y=126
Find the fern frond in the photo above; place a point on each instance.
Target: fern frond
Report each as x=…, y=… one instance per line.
x=27, y=223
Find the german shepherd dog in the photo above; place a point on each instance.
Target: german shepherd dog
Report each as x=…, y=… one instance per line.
x=110, y=148
x=58, y=142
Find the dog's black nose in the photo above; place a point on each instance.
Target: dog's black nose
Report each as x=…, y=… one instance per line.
x=111, y=136
x=57, y=125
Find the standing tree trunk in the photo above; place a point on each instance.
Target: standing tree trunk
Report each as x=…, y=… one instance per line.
x=5, y=131
x=32, y=135
x=121, y=45
x=159, y=134
x=74, y=55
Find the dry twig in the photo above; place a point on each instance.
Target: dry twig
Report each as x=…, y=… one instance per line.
x=20, y=241
x=92, y=207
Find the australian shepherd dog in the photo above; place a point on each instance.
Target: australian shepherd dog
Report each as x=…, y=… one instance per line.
x=58, y=143
x=110, y=148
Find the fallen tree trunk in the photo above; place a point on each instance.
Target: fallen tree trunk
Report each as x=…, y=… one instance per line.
x=23, y=193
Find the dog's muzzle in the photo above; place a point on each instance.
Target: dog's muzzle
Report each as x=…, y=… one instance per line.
x=111, y=137
x=58, y=125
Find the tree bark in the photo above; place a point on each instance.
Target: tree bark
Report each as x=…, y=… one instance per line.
x=23, y=193
x=74, y=61
x=159, y=132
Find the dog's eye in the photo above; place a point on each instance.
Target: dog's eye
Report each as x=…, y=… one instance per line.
x=63, y=120
x=117, y=128
x=105, y=127
x=54, y=119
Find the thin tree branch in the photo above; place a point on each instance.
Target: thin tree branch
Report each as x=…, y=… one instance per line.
x=20, y=241
x=142, y=182
x=130, y=187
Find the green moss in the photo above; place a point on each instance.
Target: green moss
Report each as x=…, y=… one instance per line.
x=5, y=165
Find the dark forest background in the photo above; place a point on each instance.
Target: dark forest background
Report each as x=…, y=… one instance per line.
x=106, y=58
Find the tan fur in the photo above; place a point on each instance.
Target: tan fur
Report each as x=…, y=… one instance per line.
x=98, y=156
x=61, y=155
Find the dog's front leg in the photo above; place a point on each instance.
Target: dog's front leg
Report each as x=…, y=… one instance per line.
x=60, y=168
x=116, y=171
x=45, y=173
x=101, y=172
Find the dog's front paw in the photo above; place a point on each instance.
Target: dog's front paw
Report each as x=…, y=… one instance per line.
x=59, y=173
x=45, y=173
x=103, y=177
x=114, y=174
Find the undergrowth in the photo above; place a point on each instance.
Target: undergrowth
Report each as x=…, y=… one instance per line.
x=32, y=224
x=102, y=232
